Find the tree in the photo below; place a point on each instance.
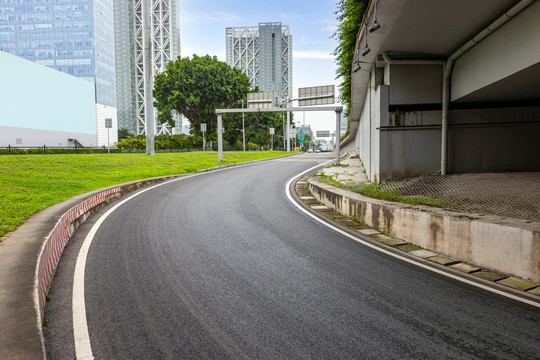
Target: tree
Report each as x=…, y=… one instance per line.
x=196, y=88
x=123, y=133
x=349, y=16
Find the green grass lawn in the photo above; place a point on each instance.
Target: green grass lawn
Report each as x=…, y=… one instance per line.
x=30, y=183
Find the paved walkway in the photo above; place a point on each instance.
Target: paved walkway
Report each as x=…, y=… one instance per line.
x=514, y=195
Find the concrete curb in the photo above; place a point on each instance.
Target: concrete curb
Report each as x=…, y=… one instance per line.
x=22, y=286
x=508, y=248
x=502, y=284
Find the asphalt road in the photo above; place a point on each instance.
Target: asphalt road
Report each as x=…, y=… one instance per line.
x=222, y=266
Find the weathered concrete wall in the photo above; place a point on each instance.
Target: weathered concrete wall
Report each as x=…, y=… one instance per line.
x=479, y=140
x=482, y=140
x=495, y=245
x=368, y=141
x=414, y=84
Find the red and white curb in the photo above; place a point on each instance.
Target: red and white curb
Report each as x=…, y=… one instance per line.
x=54, y=244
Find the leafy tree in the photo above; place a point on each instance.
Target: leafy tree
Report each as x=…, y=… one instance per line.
x=196, y=88
x=123, y=133
x=349, y=16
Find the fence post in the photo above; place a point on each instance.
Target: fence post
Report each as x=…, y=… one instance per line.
x=129, y=149
x=9, y=149
x=44, y=149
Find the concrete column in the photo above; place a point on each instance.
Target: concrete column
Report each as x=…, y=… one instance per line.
x=338, y=126
x=220, y=137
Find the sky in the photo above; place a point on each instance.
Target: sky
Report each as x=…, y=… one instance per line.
x=311, y=23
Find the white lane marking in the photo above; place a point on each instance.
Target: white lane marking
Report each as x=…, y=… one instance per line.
x=83, y=348
x=384, y=251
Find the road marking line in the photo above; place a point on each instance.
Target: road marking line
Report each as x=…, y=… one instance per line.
x=397, y=256
x=83, y=348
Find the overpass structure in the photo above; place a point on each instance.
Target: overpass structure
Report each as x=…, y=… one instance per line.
x=449, y=86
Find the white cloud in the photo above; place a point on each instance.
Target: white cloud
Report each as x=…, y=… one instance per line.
x=312, y=54
x=330, y=26
x=214, y=17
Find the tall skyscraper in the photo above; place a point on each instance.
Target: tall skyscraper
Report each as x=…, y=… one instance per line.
x=264, y=54
x=72, y=36
x=165, y=32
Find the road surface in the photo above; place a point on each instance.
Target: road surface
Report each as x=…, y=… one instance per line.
x=222, y=266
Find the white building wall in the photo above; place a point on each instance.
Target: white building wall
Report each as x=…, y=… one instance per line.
x=103, y=112
x=23, y=137
x=38, y=97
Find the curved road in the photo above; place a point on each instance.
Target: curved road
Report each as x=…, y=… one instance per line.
x=222, y=266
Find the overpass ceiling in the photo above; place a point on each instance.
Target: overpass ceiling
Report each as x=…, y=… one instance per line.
x=435, y=27
x=414, y=29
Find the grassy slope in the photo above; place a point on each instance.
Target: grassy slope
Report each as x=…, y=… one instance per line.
x=31, y=183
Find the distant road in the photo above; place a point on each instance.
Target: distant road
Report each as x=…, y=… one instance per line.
x=222, y=266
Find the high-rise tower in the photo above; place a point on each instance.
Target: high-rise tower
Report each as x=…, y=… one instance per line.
x=264, y=54
x=165, y=33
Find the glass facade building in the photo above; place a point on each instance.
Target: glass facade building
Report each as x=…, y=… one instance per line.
x=72, y=36
x=264, y=54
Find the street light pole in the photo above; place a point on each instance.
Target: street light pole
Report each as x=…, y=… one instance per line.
x=288, y=126
x=243, y=128
x=283, y=122
x=148, y=79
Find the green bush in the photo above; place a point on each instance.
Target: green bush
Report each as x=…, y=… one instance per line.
x=238, y=144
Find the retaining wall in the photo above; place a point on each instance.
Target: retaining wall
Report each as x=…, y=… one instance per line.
x=505, y=246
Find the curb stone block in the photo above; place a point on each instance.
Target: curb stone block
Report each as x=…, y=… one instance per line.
x=517, y=283
x=489, y=275
x=466, y=268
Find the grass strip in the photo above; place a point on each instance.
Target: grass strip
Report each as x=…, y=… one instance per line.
x=30, y=183
x=376, y=191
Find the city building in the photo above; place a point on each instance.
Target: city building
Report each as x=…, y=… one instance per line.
x=42, y=106
x=264, y=54
x=72, y=36
x=165, y=32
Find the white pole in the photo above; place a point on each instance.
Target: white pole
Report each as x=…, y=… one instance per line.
x=243, y=128
x=108, y=142
x=338, y=125
x=283, y=122
x=288, y=126
x=148, y=79
x=220, y=137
